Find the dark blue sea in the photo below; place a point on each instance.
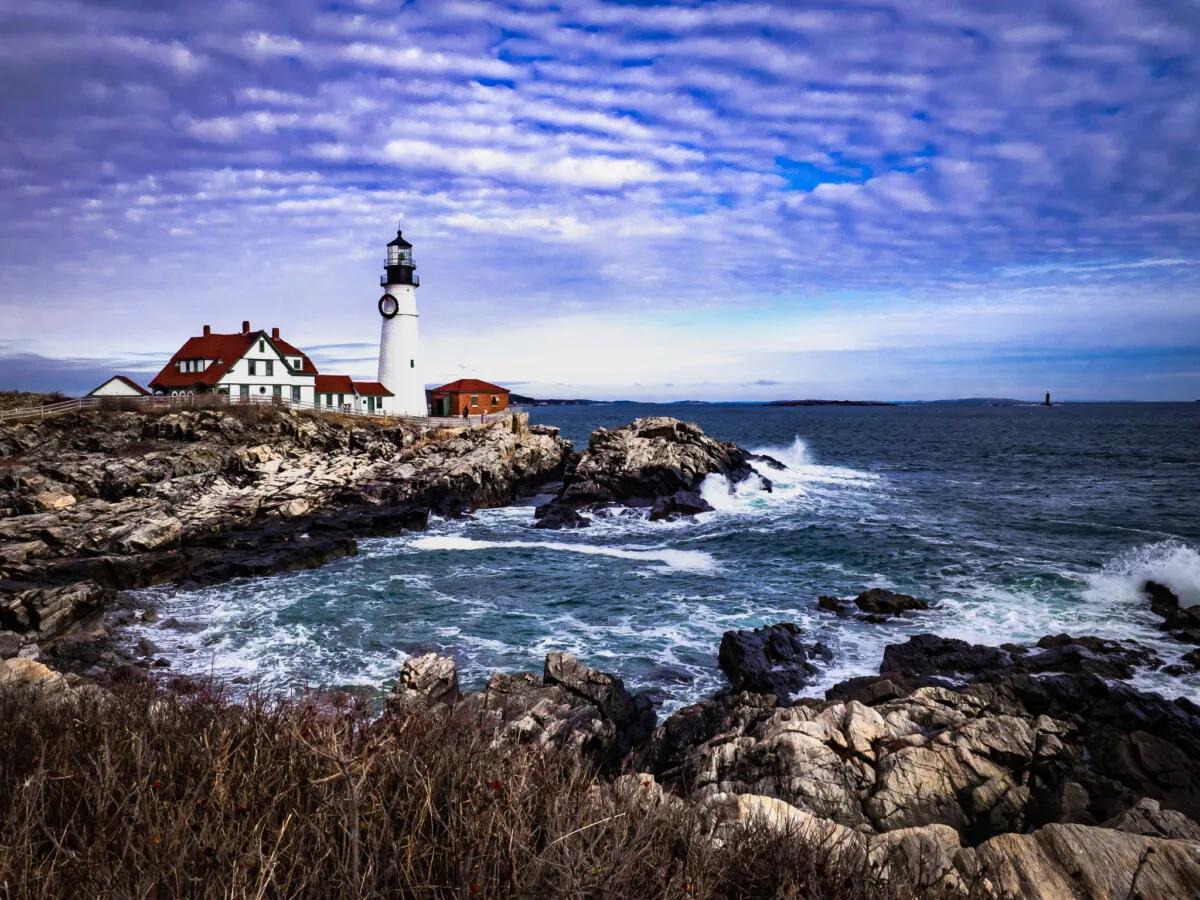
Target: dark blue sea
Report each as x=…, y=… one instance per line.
x=1017, y=521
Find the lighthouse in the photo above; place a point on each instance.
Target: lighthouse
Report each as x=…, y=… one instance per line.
x=399, y=358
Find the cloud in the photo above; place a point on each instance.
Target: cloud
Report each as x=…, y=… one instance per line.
x=938, y=168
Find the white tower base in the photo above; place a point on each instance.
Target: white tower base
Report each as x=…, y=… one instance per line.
x=399, y=366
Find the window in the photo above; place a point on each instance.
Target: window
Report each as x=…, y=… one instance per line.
x=370, y=404
x=329, y=399
x=297, y=363
x=474, y=399
x=495, y=400
x=250, y=364
x=244, y=391
x=295, y=393
x=262, y=389
x=277, y=392
x=341, y=399
x=262, y=346
x=270, y=367
x=412, y=363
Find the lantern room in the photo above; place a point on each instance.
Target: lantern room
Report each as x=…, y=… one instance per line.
x=399, y=264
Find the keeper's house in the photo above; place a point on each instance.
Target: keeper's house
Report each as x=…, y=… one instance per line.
x=256, y=366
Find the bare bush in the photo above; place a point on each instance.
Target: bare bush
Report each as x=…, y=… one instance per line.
x=142, y=793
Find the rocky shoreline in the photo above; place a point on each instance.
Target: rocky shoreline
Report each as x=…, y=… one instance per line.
x=1015, y=771
x=102, y=501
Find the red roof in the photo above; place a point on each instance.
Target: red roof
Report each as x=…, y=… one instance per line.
x=226, y=349
x=466, y=385
x=128, y=381
x=334, y=384
x=306, y=367
x=372, y=389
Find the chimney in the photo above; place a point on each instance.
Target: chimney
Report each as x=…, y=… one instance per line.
x=245, y=326
x=274, y=334
x=207, y=330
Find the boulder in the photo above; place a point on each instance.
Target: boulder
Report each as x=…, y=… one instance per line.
x=929, y=654
x=10, y=644
x=681, y=503
x=833, y=604
x=882, y=602
x=560, y=515
x=427, y=679
x=773, y=659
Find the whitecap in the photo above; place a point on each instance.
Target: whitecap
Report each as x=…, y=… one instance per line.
x=682, y=560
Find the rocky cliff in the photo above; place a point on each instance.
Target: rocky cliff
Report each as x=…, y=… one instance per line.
x=100, y=501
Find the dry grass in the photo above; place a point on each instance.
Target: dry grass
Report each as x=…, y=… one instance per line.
x=154, y=795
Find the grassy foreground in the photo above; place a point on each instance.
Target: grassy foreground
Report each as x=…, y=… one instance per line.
x=148, y=794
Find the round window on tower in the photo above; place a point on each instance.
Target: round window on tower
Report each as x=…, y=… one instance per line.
x=388, y=306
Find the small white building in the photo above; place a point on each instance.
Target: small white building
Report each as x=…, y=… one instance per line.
x=119, y=386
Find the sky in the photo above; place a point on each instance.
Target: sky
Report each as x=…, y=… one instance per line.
x=695, y=200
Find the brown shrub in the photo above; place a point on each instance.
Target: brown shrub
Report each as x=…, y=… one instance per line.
x=146, y=794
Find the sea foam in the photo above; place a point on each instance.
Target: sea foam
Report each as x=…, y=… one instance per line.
x=682, y=560
x=1173, y=563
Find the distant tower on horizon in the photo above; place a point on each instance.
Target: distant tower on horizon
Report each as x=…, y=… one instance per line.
x=1047, y=398
x=399, y=360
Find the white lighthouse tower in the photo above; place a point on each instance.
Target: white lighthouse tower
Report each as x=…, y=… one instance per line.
x=399, y=360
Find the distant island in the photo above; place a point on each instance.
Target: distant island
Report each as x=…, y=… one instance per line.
x=827, y=403
x=522, y=400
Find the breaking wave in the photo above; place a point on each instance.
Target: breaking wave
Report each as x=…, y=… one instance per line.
x=1173, y=563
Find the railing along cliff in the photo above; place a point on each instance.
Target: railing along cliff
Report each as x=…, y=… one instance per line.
x=216, y=401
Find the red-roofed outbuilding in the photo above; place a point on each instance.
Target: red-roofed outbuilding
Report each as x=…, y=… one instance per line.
x=468, y=396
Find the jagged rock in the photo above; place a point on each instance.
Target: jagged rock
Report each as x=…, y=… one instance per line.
x=1149, y=818
x=570, y=705
x=681, y=503
x=149, y=536
x=882, y=602
x=931, y=656
x=1182, y=621
x=773, y=659
x=633, y=717
x=427, y=679
x=1033, y=737
x=648, y=459
x=146, y=647
x=1066, y=862
x=51, y=612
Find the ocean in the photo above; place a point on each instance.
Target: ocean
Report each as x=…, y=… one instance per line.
x=1016, y=521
